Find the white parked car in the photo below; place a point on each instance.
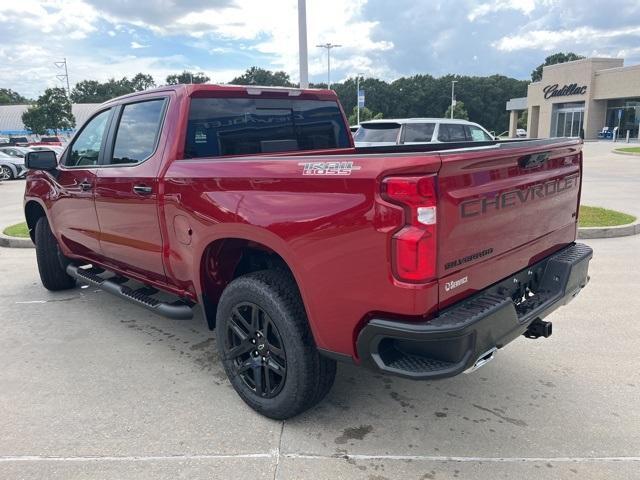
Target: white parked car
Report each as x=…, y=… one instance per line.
x=54, y=148
x=418, y=130
x=521, y=133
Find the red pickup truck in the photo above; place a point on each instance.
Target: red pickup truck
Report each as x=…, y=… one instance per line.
x=416, y=260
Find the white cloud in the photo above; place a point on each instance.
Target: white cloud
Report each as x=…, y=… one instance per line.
x=276, y=30
x=487, y=7
x=548, y=40
x=136, y=45
x=58, y=18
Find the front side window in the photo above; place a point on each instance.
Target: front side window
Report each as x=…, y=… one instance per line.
x=246, y=126
x=86, y=147
x=476, y=134
x=137, y=132
x=451, y=132
x=418, y=132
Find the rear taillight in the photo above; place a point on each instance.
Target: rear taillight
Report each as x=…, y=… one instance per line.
x=414, y=246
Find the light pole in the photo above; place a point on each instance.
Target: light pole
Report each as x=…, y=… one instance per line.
x=358, y=98
x=453, y=96
x=302, y=43
x=328, y=46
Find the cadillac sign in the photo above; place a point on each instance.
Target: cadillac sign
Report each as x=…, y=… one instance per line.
x=551, y=91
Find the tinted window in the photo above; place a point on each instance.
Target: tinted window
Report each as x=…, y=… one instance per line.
x=476, y=134
x=378, y=132
x=418, y=132
x=138, y=131
x=451, y=132
x=86, y=147
x=245, y=126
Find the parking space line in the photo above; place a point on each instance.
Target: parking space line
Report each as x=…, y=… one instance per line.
x=276, y=454
x=131, y=458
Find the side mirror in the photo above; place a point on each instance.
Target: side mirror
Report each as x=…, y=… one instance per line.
x=41, y=160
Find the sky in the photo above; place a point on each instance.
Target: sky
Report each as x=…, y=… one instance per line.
x=387, y=39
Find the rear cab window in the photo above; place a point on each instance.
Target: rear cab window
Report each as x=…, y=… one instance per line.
x=378, y=132
x=247, y=126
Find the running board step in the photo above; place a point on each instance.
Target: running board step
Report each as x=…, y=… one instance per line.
x=141, y=296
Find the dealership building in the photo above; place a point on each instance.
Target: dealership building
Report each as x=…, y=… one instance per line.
x=581, y=98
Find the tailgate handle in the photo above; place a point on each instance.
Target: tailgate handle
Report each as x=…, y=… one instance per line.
x=534, y=160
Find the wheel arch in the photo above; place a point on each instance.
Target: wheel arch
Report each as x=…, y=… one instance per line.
x=227, y=257
x=33, y=211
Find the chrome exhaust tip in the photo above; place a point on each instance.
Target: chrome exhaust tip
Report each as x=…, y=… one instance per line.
x=482, y=360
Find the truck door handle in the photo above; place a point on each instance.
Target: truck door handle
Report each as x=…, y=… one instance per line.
x=142, y=189
x=84, y=185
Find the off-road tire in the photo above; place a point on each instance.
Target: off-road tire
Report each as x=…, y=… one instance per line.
x=309, y=375
x=51, y=262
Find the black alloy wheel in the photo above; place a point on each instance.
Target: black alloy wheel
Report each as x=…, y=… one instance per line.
x=255, y=346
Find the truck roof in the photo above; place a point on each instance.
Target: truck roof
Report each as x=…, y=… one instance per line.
x=190, y=89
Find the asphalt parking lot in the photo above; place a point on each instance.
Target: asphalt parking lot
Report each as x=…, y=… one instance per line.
x=94, y=387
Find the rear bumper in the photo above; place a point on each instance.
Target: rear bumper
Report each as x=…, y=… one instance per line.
x=453, y=341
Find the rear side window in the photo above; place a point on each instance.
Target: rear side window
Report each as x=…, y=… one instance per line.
x=378, y=132
x=418, y=132
x=246, y=126
x=451, y=132
x=138, y=131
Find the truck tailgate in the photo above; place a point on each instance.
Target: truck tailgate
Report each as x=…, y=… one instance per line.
x=502, y=208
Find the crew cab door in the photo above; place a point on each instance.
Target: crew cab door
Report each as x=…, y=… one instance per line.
x=73, y=213
x=127, y=190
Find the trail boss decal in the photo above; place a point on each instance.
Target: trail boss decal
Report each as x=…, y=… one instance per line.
x=328, y=168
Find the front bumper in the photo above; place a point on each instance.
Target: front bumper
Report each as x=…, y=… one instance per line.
x=453, y=341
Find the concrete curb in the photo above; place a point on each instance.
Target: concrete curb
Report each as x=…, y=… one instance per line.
x=629, y=154
x=15, y=242
x=609, y=232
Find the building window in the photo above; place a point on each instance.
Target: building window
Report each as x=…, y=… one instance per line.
x=567, y=119
x=624, y=113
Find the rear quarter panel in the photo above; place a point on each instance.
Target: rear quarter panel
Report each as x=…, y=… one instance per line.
x=333, y=231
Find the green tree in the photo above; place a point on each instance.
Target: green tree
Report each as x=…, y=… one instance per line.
x=559, y=57
x=142, y=81
x=9, y=97
x=365, y=114
x=52, y=111
x=260, y=76
x=459, y=111
x=187, y=77
x=92, y=91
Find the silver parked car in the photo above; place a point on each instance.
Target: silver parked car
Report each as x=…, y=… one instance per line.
x=418, y=130
x=11, y=167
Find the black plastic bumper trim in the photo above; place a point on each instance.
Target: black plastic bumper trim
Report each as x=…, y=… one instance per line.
x=451, y=342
